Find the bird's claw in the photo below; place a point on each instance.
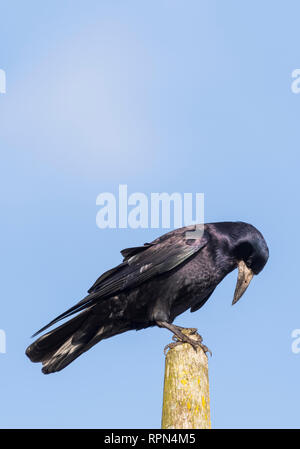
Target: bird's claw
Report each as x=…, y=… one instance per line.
x=188, y=330
x=171, y=346
x=184, y=338
x=206, y=349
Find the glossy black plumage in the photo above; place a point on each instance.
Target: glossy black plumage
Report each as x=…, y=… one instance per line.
x=154, y=283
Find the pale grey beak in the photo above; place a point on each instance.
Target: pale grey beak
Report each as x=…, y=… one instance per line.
x=244, y=278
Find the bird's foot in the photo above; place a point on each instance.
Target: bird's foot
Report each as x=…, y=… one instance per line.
x=182, y=336
x=187, y=330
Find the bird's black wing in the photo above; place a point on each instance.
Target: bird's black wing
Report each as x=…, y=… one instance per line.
x=145, y=262
x=126, y=253
x=129, y=252
x=140, y=264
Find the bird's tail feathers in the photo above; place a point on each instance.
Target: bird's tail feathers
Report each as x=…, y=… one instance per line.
x=61, y=346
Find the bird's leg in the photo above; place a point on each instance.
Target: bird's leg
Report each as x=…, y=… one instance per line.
x=181, y=335
x=188, y=330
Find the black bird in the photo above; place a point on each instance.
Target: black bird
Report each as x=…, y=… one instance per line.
x=152, y=286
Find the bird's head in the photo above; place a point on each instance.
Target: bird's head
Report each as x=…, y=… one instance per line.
x=251, y=254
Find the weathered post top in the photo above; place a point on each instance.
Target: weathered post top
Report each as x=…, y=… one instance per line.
x=186, y=389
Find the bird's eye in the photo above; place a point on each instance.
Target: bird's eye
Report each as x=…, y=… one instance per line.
x=249, y=263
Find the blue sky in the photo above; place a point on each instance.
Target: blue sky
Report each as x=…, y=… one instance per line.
x=162, y=96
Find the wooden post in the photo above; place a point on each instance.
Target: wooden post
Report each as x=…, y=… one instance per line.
x=186, y=389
